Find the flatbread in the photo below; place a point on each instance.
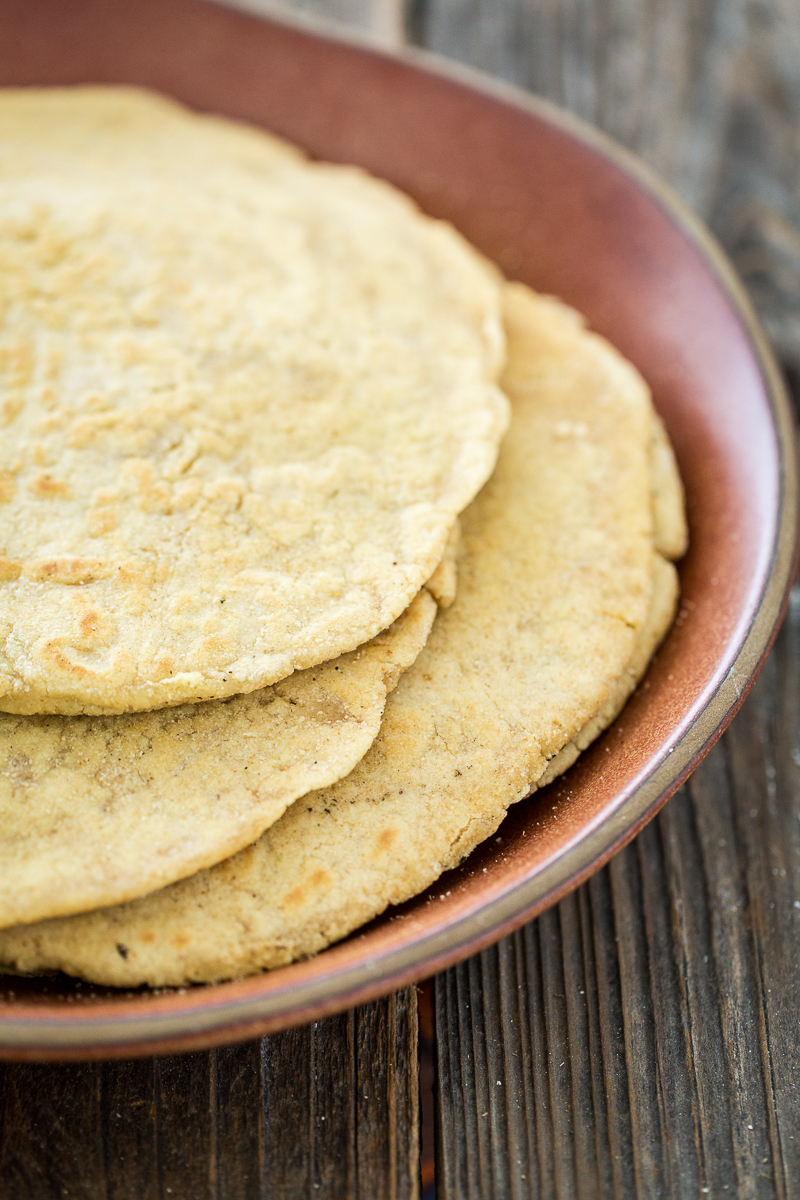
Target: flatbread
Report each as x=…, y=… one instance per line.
x=669, y=507
x=561, y=601
x=95, y=810
x=244, y=397
x=659, y=618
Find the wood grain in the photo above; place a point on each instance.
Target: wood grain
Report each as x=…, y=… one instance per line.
x=756, y=208
x=328, y=1111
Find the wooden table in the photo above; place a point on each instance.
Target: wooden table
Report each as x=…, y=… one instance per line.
x=642, y=1039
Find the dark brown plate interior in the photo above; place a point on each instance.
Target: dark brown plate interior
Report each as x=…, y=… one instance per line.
x=562, y=209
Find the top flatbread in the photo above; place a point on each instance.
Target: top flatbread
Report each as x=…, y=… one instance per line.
x=243, y=398
x=561, y=601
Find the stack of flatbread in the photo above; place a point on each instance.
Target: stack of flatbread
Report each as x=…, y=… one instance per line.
x=287, y=622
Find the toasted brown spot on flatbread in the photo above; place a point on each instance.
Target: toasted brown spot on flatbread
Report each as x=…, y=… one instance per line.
x=47, y=486
x=9, y=569
x=70, y=571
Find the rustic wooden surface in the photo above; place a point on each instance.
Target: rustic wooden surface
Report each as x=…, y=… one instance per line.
x=327, y=1111
x=642, y=1039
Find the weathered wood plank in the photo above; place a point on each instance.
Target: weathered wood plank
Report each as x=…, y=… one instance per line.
x=183, y=1123
x=290, y=1110
x=237, y=1115
x=692, y=918
x=326, y=1112
x=128, y=1102
x=40, y=1126
x=756, y=209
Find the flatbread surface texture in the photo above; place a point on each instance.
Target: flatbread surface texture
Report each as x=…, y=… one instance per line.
x=243, y=398
x=555, y=599
x=95, y=810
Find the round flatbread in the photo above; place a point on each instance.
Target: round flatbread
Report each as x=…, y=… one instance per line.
x=95, y=810
x=243, y=399
x=561, y=601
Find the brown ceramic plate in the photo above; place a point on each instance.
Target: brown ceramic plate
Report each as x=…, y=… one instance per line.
x=562, y=208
